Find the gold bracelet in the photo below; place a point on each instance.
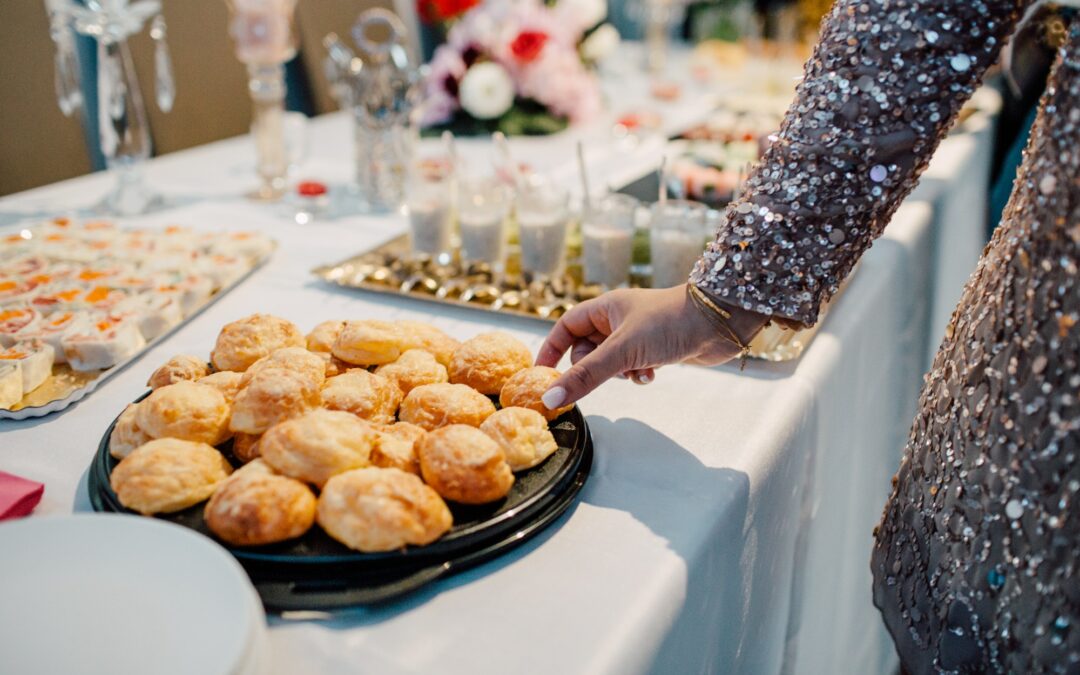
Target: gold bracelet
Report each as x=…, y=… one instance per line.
x=718, y=317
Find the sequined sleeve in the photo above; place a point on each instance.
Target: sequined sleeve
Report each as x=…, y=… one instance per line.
x=886, y=81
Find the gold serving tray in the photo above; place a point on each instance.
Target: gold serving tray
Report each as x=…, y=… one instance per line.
x=388, y=269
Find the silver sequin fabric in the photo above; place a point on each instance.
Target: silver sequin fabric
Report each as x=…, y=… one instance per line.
x=976, y=560
x=886, y=81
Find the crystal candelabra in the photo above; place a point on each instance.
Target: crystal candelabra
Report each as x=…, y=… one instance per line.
x=263, y=32
x=659, y=18
x=121, y=115
x=381, y=87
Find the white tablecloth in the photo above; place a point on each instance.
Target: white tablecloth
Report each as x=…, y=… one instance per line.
x=725, y=526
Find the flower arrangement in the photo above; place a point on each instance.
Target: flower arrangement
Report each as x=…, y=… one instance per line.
x=516, y=66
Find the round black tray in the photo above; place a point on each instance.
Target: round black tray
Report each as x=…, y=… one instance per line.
x=315, y=572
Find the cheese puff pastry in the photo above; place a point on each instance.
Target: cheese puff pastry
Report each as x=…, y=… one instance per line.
x=256, y=506
x=182, y=367
x=526, y=387
x=245, y=447
x=523, y=435
x=372, y=343
x=487, y=361
x=225, y=381
x=381, y=510
x=168, y=475
x=463, y=464
x=431, y=406
x=243, y=342
x=366, y=395
x=318, y=445
x=396, y=448
x=270, y=397
x=432, y=340
x=322, y=337
x=414, y=368
x=185, y=410
x=297, y=359
x=126, y=434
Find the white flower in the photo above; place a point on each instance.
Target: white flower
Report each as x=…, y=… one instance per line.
x=601, y=43
x=582, y=14
x=486, y=91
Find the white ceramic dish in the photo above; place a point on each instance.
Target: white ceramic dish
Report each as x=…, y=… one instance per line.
x=112, y=595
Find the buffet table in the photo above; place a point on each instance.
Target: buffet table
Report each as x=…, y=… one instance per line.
x=725, y=526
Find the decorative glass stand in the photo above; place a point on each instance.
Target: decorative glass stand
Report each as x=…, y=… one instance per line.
x=265, y=41
x=121, y=115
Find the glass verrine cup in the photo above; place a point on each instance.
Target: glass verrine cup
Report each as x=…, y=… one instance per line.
x=483, y=206
x=542, y=216
x=429, y=203
x=608, y=233
x=677, y=238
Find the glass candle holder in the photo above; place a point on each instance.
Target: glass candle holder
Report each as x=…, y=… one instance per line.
x=608, y=233
x=429, y=203
x=677, y=238
x=542, y=217
x=263, y=33
x=483, y=206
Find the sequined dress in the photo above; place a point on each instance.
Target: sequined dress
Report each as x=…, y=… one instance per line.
x=976, y=560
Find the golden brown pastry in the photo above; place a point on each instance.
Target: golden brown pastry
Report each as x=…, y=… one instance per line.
x=186, y=410
x=225, y=381
x=432, y=340
x=366, y=395
x=381, y=510
x=270, y=397
x=297, y=359
x=167, y=475
x=487, y=361
x=126, y=434
x=463, y=464
x=322, y=337
x=245, y=447
x=525, y=389
x=178, y=368
x=243, y=342
x=372, y=343
x=256, y=506
x=332, y=365
x=414, y=368
x=318, y=445
x=396, y=447
x=431, y=406
x=523, y=435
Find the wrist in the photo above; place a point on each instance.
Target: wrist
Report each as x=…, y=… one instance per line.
x=744, y=323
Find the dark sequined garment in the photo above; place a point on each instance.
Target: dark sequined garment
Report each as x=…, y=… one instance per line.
x=977, y=558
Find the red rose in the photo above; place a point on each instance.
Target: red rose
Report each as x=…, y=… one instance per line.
x=527, y=46
x=438, y=11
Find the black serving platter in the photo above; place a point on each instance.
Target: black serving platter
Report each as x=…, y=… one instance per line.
x=315, y=572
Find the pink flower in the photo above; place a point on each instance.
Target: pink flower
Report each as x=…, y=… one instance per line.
x=441, y=86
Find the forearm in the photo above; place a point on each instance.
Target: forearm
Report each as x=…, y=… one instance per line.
x=885, y=83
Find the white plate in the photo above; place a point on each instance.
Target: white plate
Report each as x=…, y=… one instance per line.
x=114, y=594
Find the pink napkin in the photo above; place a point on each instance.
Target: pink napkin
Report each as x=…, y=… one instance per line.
x=18, y=496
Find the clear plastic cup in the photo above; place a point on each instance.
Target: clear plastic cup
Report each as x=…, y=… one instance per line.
x=543, y=216
x=429, y=204
x=608, y=233
x=483, y=206
x=677, y=239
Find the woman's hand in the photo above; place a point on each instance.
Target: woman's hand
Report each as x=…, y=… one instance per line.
x=631, y=332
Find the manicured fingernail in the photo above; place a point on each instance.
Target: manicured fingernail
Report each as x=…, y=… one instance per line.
x=646, y=378
x=553, y=397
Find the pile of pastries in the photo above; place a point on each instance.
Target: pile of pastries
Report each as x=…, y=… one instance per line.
x=90, y=294
x=365, y=427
